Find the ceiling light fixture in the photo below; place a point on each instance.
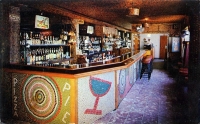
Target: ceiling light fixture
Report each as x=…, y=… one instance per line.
x=133, y=11
x=146, y=25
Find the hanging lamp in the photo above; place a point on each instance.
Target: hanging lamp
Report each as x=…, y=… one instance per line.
x=146, y=25
x=133, y=11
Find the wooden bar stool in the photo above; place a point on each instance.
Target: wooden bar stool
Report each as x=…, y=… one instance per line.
x=147, y=64
x=183, y=75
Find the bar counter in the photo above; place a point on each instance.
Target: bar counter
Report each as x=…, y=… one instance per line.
x=76, y=95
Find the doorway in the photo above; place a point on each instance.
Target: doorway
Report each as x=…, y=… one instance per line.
x=163, y=46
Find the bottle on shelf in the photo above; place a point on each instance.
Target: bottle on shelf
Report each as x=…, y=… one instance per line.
x=28, y=57
x=53, y=40
x=42, y=47
x=47, y=53
x=44, y=54
x=61, y=52
x=36, y=55
x=57, y=53
x=54, y=53
x=41, y=39
x=39, y=54
x=33, y=56
x=22, y=59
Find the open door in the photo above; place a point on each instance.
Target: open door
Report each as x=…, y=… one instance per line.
x=163, y=46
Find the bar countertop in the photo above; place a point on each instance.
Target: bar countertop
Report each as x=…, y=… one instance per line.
x=77, y=70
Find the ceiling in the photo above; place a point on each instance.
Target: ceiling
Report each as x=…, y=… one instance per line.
x=115, y=11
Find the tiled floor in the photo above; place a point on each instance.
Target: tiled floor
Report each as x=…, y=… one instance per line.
x=157, y=101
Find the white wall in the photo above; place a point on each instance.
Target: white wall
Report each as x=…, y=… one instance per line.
x=155, y=39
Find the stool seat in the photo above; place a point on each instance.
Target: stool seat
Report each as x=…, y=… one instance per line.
x=149, y=56
x=183, y=71
x=183, y=75
x=147, y=59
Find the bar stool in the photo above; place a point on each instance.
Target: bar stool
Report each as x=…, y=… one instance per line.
x=183, y=75
x=147, y=64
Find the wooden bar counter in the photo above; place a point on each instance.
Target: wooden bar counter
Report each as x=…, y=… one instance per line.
x=61, y=95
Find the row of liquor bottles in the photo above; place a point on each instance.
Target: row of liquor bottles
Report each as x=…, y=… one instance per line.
x=39, y=38
x=37, y=55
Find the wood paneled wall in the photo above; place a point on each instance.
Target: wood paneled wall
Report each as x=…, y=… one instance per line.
x=171, y=28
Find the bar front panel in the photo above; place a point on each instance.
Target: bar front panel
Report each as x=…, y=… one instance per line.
x=43, y=99
x=96, y=96
x=47, y=97
x=125, y=81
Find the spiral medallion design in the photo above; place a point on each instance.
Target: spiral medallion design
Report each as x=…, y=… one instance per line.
x=41, y=96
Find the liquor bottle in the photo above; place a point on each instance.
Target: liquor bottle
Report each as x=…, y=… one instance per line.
x=50, y=53
x=54, y=53
x=22, y=56
x=50, y=39
x=20, y=38
x=41, y=39
x=57, y=53
x=33, y=39
x=53, y=40
x=33, y=56
x=61, y=52
x=30, y=40
x=47, y=39
x=44, y=54
x=36, y=55
x=39, y=54
x=28, y=56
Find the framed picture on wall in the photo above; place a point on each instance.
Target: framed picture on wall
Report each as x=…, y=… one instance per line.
x=175, y=44
x=41, y=22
